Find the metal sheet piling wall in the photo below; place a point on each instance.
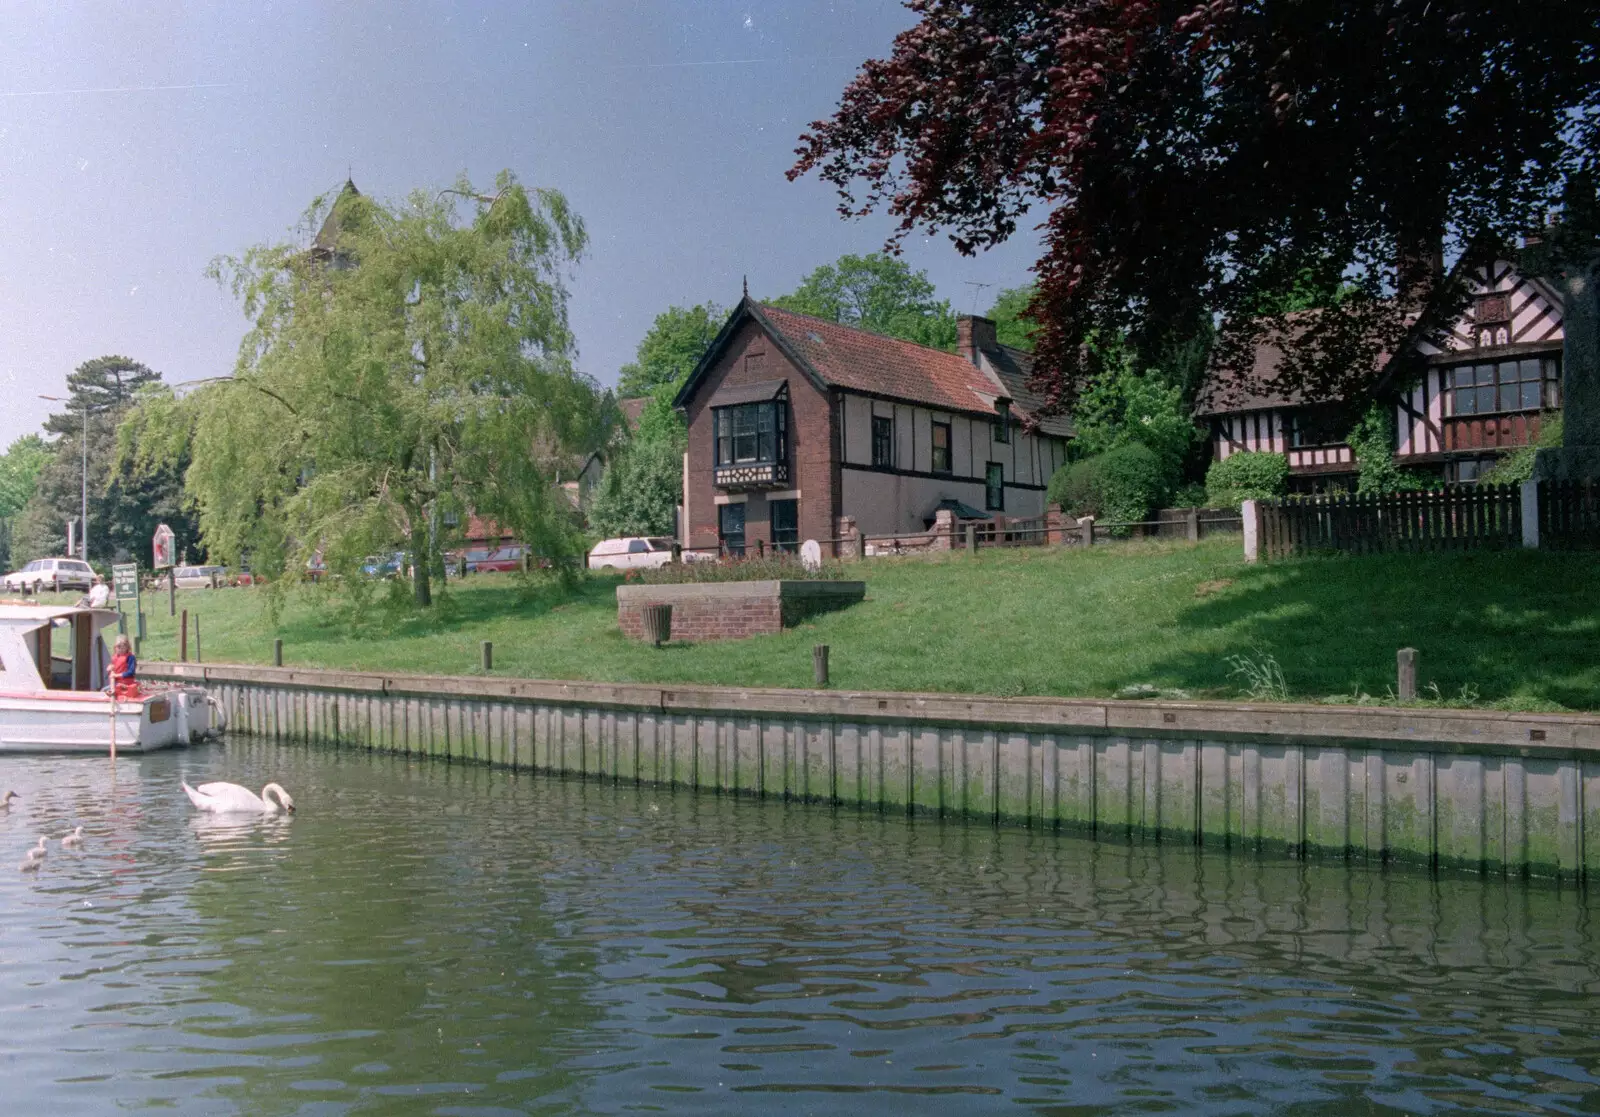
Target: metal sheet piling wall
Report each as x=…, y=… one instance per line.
x=1482, y=790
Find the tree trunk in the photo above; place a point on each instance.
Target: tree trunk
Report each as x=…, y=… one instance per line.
x=421, y=560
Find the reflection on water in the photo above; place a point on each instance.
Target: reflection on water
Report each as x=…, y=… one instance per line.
x=428, y=939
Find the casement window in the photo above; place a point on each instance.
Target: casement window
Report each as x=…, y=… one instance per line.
x=783, y=517
x=941, y=447
x=1315, y=427
x=1525, y=384
x=730, y=528
x=994, y=487
x=752, y=433
x=1468, y=471
x=882, y=441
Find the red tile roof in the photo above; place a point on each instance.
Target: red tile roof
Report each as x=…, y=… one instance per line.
x=631, y=408
x=845, y=357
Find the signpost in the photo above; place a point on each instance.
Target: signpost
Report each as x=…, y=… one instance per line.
x=125, y=587
x=164, y=549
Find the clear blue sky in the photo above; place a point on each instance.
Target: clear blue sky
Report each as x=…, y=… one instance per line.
x=139, y=141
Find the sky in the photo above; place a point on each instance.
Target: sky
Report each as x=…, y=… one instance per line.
x=139, y=142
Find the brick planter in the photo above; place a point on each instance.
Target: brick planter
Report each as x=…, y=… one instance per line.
x=733, y=610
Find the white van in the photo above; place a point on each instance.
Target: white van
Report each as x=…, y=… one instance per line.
x=629, y=553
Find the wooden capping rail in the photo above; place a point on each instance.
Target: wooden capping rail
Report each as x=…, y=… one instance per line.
x=1446, y=730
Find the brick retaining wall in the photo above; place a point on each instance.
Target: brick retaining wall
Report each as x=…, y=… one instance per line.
x=733, y=610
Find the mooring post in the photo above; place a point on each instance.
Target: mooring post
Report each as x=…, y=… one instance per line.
x=139, y=631
x=1406, y=662
x=488, y=655
x=183, y=639
x=197, y=638
x=277, y=653
x=819, y=664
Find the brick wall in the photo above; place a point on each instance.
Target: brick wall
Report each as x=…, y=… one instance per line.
x=733, y=610
x=753, y=356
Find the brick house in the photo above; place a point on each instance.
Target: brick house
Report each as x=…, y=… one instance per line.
x=796, y=423
x=1457, y=411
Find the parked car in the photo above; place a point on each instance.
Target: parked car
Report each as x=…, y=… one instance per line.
x=391, y=565
x=52, y=574
x=489, y=560
x=631, y=552
x=200, y=577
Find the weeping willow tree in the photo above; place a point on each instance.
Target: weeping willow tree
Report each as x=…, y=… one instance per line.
x=413, y=367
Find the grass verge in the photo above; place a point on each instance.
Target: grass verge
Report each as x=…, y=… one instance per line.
x=1514, y=630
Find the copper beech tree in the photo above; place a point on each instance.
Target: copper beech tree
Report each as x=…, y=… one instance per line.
x=1195, y=161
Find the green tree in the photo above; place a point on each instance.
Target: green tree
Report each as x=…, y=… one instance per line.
x=640, y=491
x=1124, y=406
x=668, y=352
x=1008, y=314
x=19, y=472
x=415, y=363
x=122, y=514
x=20, y=466
x=877, y=292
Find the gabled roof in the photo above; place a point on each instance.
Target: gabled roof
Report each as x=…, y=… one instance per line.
x=832, y=355
x=1535, y=305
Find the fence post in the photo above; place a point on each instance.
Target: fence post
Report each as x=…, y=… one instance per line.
x=819, y=664
x=277, y=653
x=677, y=554
x=488, y=655
x=1530, y=514
x=1191, y=525
x=1086, y=530
x=197, y=658
x=183, y=639
x=1251, y=511
x=1406, y=668
x=972, y=538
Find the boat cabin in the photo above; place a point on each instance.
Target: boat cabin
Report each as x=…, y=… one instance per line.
x=45, y=647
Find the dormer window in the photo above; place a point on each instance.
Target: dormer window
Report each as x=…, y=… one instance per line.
x=751, y=422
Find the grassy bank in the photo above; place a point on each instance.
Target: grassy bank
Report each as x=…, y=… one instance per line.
x=1517, y=630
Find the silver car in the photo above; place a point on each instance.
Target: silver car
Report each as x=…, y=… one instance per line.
x=52, y=574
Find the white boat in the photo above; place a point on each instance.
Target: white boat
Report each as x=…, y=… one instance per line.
x=54, y=674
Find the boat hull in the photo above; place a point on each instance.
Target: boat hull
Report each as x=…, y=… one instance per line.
x=71, y=722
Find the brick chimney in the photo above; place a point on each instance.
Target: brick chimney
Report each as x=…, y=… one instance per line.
x=1419, y=267
x=974, y=334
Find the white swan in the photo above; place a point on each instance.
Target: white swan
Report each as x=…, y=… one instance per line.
x=228, y=798
x=75, y=838
x=30, y=863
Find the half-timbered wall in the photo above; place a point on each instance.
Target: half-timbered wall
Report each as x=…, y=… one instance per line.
x=900, y=496
x=1511, y=318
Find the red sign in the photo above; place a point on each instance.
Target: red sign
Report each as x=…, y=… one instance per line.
x=164, y=547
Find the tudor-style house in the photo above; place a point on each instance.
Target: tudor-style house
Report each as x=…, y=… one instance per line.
x=1478, y=397
x=797, y=422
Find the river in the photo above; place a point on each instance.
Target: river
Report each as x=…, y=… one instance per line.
x=426, y=938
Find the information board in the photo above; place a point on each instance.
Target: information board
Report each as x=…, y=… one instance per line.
x=125, y=581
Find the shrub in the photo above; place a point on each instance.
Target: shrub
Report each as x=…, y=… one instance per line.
x=1118, y=486
x=1247, y=475
x=1192, y=495
x=1517, y=466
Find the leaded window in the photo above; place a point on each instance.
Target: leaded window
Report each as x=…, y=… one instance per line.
x=752, y=433
x=1523, y=384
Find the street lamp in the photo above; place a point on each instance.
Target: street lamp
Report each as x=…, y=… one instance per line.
x=83, y=522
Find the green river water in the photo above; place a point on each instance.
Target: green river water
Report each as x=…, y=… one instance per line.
x=426, y=938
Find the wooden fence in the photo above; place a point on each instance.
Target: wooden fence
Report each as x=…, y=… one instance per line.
x=1569, y=515
x=1456, y=517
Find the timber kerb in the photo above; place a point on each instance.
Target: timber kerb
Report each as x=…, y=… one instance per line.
x=1438, y=729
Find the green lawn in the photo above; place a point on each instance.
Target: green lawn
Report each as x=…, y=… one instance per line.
x=1521, y=630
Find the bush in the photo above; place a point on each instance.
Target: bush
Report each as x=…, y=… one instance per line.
x=1247, y=475
x=1118, y=486
x=1517, y=466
